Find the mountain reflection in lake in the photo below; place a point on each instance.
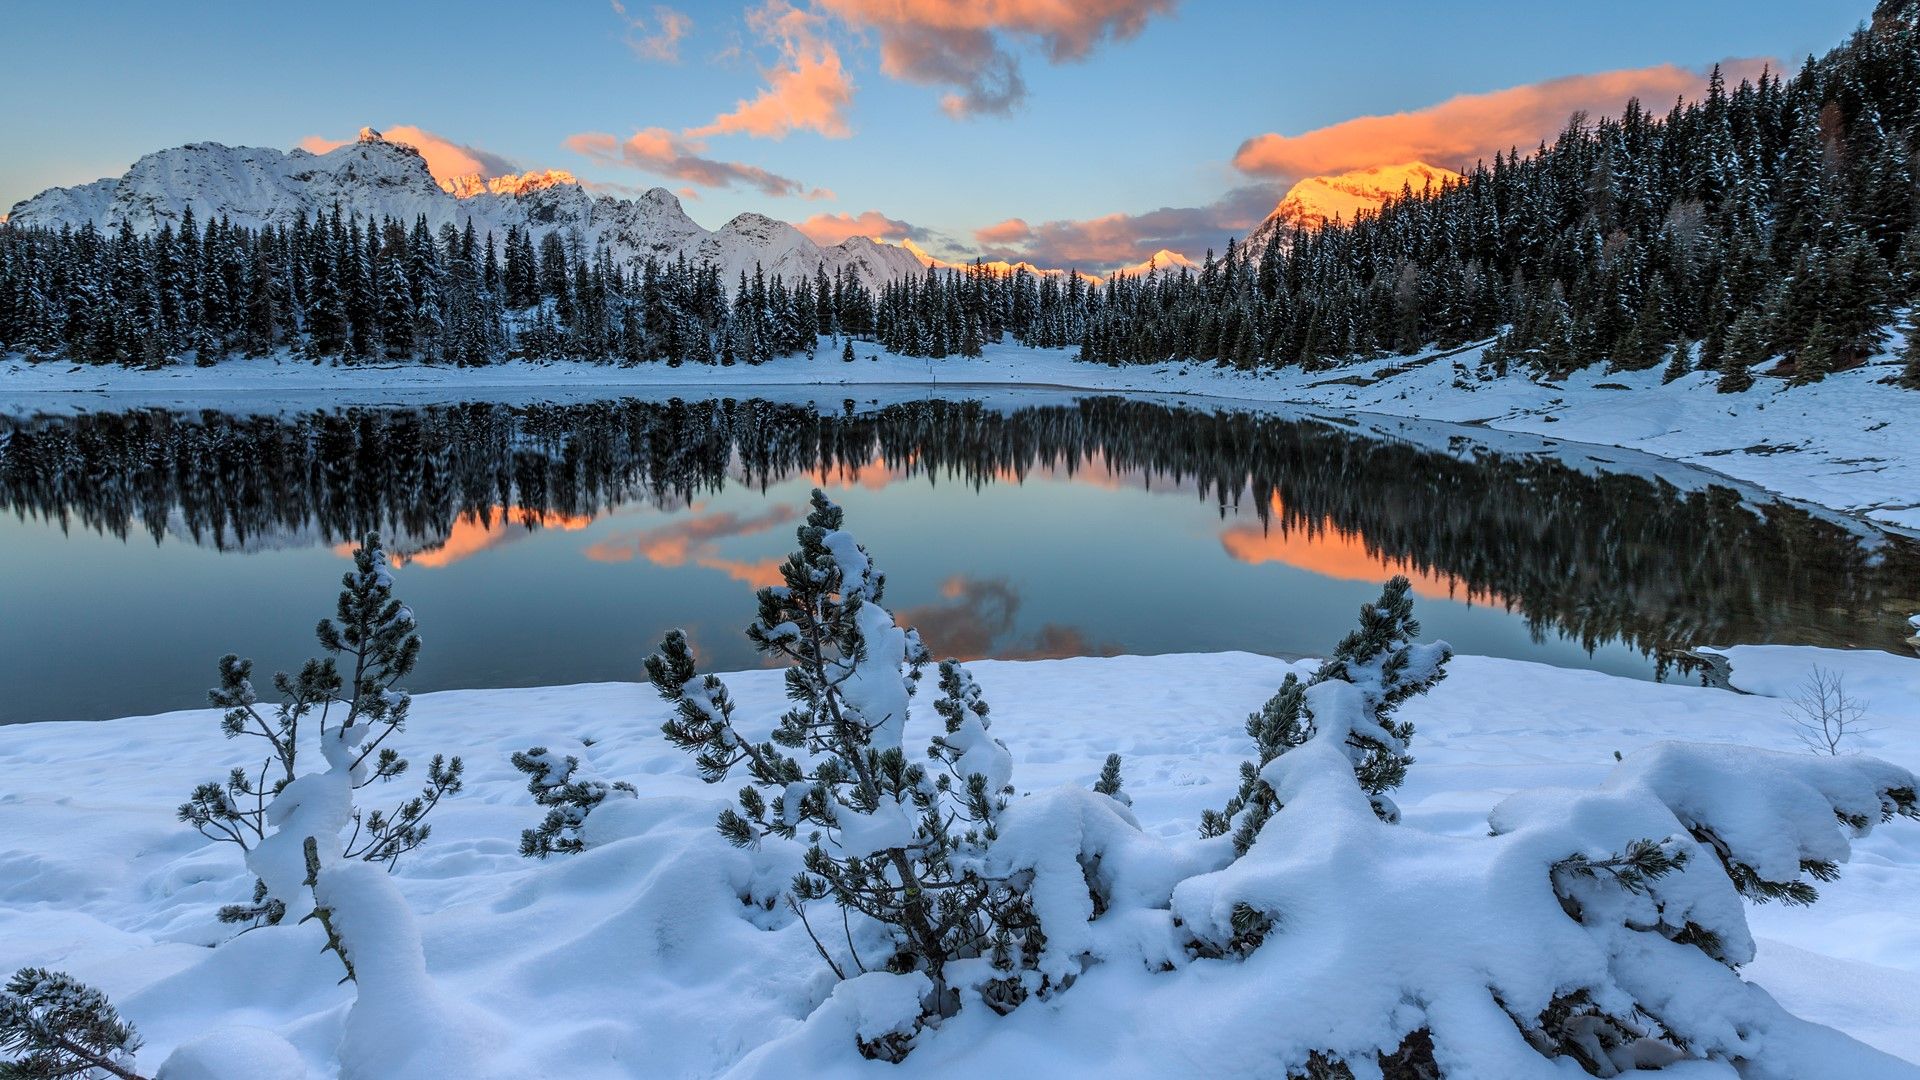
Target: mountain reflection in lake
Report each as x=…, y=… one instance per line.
x=554, y=544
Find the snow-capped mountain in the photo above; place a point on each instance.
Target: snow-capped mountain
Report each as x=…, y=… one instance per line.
x=255, y=187
x=1317, y=200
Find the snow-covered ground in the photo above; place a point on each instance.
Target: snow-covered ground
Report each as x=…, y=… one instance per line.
x=637, y=958
x=1847, y=443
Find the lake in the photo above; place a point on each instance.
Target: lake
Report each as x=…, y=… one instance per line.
x=555, y=543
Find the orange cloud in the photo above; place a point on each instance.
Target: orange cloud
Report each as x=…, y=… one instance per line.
x=696, y=539
x=757, y=574
x=808, y=90
x=446, y=159
x=830, y=229
x=873, y=475
x=657, y=38
x=1471, y=127
x=963, y=44
x=1325, y=550
x=478, y=531
x=659, y=151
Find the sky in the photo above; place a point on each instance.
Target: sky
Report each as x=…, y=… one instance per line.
x=1068, y=132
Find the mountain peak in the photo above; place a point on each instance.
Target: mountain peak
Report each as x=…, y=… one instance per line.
x=371, y=134
x=526, y=183
x=1319, y=200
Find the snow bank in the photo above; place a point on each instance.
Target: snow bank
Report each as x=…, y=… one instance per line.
x=661, y=951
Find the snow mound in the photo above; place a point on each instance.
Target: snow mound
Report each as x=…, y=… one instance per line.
x=235, y=1053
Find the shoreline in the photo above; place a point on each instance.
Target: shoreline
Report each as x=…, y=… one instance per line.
x=1782, y=441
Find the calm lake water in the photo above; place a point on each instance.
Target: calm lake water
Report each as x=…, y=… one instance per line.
x=556, y=543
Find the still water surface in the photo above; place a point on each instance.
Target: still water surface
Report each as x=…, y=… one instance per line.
x=554, y=544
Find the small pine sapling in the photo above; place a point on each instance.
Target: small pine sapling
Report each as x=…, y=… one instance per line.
x=885, y=837
x=375, y=636
x=54, y=1027
x=556, y=783
x=1110, y=783
x=1381, y=660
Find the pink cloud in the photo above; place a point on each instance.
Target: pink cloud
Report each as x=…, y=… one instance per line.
x=964, y=44
x=827, y=229
x=1471, y=127
x=1112, y=241
x=694, y=539
x=656, y=37
x=659, y=151
x=1010, y=231
x=808, y=90
x=446, y=159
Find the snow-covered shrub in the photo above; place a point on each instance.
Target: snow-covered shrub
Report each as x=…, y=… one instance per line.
x=1599, y=929
x=556, y=782
x=897, y=841
x=1380, y=661
x=54, y=1027
x=350, y=719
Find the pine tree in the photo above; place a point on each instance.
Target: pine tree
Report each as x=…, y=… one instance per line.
x=1381, y=660
x=54, y=1027
x=888, y=838
x=1110, y=783
x=556, y=783
x=376, y=637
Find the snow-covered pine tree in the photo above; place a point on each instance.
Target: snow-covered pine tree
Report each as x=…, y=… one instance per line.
x=1381, y=660
x=556, y=782
x=886, y=837
x=54, y=1027
x=352, y=716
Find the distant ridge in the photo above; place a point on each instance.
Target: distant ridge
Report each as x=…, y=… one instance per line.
x=373, y=176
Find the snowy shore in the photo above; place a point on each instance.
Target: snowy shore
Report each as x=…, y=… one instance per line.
x=630, y=960
x=1845, y=443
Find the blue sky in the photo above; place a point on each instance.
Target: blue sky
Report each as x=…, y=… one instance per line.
x=1147, y=109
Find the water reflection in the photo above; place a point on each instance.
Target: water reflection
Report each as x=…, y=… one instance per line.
x=1021, y=529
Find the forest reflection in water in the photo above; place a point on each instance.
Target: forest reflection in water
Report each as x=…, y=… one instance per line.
x=555, y=542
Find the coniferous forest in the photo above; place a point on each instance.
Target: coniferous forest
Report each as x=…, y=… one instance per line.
x=1773, y=225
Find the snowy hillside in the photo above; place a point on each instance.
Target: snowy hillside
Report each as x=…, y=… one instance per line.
x=255, y=187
